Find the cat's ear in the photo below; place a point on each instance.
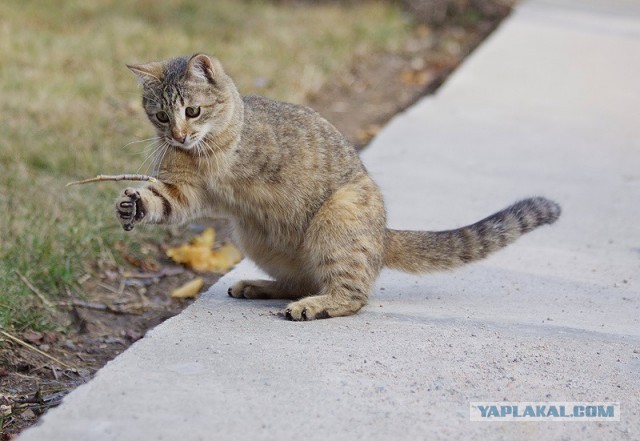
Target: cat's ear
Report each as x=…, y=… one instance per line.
x=202, y=67
x=149, y=72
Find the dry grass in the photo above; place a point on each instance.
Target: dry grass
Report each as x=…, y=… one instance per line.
x=70, y=110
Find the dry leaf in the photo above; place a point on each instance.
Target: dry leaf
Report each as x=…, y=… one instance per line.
x=189, y=290
x=33, y=337
x=413, y=77
x=365, y=135
x=200, y=255
x=28, y=414
x=206, y=239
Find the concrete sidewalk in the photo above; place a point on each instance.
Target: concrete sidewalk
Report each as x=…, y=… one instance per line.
x=547, y=106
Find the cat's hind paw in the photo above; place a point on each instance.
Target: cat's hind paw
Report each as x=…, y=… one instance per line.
x=260, y=289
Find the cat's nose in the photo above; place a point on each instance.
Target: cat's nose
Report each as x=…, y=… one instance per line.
x=180, y=138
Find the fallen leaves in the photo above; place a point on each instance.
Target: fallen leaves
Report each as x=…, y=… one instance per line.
x=147, y=263
x=188, y=290
x=417, y=76
x=38, y=338
x=142, y=258
x=200, y=255
x=368, y=133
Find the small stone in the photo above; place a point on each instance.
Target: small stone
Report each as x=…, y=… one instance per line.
x=114, y=340
x=44, y=347
x=84, y=373
x=50, y=337
x=28, y=414
x=33, y=337
x=134, y=335
x=110, y=275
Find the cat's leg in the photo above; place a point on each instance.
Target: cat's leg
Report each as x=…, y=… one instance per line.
x=344, y=246
x=264, y=289
x=157, y=203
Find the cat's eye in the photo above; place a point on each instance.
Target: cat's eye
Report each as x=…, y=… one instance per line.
x=162, y=116
x=192, y=111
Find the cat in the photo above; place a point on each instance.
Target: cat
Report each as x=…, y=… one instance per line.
x=300, y=201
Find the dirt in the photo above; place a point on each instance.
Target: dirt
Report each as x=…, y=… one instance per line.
x=124, y=301
x=362, y=99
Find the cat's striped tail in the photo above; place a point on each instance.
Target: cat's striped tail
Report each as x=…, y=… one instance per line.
x=426, y=251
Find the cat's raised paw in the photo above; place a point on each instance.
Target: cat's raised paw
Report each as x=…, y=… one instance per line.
x=129, y=208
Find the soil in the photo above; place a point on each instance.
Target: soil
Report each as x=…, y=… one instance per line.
x=124, y=301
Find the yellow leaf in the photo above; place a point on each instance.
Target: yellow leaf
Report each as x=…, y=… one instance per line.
x=188, y=290
x=200, y=256
x=206, y=239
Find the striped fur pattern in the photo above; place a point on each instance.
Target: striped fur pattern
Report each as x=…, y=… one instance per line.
x=300, y=201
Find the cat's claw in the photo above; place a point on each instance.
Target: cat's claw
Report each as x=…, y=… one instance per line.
x=129, y=208
x=303, y=316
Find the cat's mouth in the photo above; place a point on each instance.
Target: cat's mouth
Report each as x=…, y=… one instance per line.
x=185, y=144
x=189, y=143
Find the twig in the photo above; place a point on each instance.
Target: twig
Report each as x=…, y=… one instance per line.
x=125, y=177
x=42, y=298
x=109, y=288
x=97, y=307
x=28, y=346
x=156, y=275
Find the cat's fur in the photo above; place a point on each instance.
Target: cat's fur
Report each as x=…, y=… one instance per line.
x=301, y=203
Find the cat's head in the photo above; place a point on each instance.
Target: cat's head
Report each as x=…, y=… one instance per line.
x=186, y=98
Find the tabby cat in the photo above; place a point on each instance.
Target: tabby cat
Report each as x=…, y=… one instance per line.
x=300, y=201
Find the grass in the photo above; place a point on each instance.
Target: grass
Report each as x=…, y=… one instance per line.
x=70, y=107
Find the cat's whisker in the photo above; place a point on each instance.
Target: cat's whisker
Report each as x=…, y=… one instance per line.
x=216, y=159
x=151, y=148
x=200, y=152
x=153, y=138
x=148, y=149
x=166, y=148
x=150, y=157
x=141, y=168
x=154, y=165
x=210, y=149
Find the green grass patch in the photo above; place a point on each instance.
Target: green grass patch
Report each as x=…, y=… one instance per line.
x=70, y=107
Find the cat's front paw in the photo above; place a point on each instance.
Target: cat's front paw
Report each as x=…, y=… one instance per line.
x=310, y=308
x=130, y=208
